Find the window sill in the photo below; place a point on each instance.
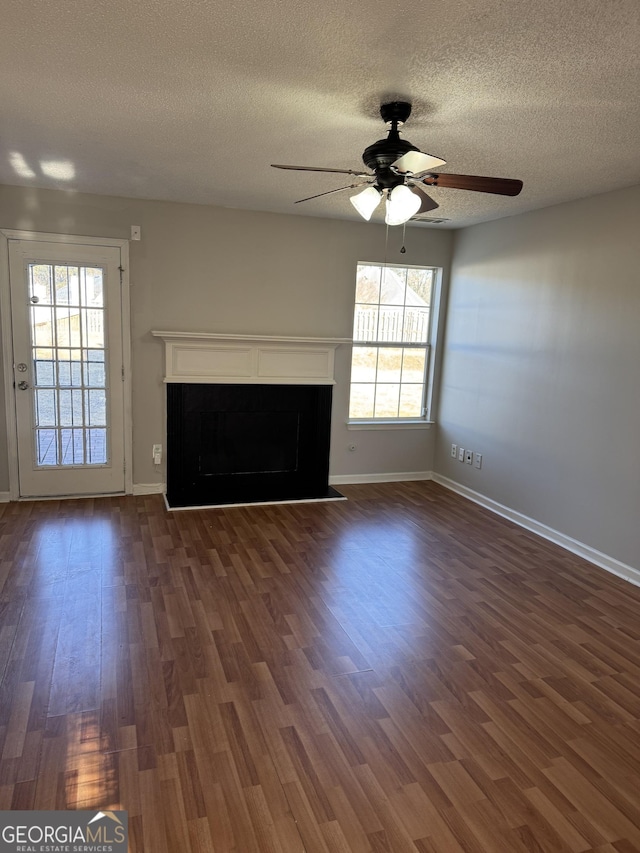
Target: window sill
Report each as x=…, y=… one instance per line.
x=395, y=424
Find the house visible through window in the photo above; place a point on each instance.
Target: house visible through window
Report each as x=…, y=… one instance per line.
x=391, y=342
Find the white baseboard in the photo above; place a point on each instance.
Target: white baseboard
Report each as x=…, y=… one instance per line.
x=604, y=561
x=337, y=480
x=5, y=497
x=396, y=477
x=148, y=488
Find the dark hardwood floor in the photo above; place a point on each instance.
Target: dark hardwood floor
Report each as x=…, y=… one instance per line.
x=403, y=671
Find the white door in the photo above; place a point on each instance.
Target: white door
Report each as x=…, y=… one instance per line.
x=68, y=368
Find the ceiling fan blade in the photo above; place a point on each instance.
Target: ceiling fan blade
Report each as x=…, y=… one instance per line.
x=320, y=169
x=328, y=192
x=414, y=162
x=426, y=202
x=477, y=183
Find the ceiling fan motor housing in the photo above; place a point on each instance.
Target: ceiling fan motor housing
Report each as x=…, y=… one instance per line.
x=379, y=156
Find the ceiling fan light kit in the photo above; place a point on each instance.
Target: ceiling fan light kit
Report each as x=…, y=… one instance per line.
x=365, y=202
x=400, y=171
x=402, y=204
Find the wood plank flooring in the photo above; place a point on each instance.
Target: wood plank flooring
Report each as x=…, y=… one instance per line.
x=400, y=672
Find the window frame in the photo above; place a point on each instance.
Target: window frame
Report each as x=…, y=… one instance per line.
x=430, y=346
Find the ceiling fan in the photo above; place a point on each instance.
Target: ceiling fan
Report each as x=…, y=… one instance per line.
x=400, y=172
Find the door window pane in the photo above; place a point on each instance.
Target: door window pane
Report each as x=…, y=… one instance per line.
x=46, y=408
x=44, y=364
x=40, y=283
x=72, y=441
x=94, y=364
x=91, y=284
x=93, y=330
x=68, y=327
x=71, y=413
x=96, y=404
x=42, y=326
x=67, y=285
x=47, y=446
x=97, y=446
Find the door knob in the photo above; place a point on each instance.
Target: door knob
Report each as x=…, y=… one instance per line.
x=23, y=385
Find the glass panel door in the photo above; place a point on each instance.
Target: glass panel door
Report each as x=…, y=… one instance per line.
x=66, y=314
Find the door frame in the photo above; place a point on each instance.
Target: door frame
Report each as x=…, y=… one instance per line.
x=7, y=234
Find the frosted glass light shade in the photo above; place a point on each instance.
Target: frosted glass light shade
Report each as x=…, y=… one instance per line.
x=366, y=202
x=401, y=205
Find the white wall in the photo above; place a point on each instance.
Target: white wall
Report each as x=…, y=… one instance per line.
x=541, y=369
x=202, y=268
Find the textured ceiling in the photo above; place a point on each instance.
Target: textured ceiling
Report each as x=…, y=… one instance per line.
x=191, y=100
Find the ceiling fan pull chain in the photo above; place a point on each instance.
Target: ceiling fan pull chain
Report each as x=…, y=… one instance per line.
x=404, y=228
x=386, y=243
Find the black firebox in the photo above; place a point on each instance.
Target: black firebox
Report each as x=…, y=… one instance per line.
x=247, y=443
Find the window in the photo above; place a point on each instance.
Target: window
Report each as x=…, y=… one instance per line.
x=390, y=366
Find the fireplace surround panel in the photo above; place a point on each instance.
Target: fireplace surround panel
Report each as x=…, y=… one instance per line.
x=248, y=417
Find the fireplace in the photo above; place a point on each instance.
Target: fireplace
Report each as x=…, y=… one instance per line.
x=248, y=419
x=247, y=443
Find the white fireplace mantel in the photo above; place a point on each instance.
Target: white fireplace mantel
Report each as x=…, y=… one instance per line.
x=208, y=357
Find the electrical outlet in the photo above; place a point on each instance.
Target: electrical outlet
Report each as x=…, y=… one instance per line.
x=477, y=460
x=461, y=454
x=468, y=457
x=454, y=451
x=157, y=454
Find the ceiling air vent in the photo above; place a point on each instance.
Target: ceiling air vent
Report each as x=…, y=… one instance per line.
x=430, y=220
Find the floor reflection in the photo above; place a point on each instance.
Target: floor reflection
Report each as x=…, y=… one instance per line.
x=66, y=547
x=90, y=772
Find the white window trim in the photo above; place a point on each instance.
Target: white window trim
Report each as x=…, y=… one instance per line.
x=396, y=423
x=432, y=346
